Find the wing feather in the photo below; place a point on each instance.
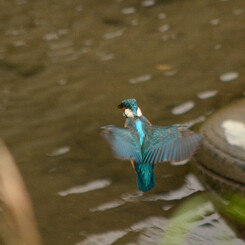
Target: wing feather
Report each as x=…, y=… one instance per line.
x=174, y=143
x=124, y=143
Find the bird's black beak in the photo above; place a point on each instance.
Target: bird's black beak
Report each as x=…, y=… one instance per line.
x=120, y=106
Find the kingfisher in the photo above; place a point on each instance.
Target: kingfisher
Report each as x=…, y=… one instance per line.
x=144, y=144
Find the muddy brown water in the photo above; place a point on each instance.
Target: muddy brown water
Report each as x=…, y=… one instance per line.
x=66, y=65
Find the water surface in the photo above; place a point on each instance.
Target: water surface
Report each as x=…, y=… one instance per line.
x=66, y=65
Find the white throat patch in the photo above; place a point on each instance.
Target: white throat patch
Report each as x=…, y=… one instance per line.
x=139, y=112
x=129, y=113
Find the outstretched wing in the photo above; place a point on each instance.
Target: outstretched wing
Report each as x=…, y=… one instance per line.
x=174, y=143
x=124, y=142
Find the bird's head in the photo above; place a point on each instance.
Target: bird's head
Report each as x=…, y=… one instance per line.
x=130, y=108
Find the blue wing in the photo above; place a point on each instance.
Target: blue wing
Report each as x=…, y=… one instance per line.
x=174, y=143
x=124, y=142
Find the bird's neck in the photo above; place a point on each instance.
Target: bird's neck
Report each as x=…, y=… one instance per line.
x=139, y=127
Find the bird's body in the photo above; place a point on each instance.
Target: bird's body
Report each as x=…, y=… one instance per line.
x=144, y=144
x=144, y=170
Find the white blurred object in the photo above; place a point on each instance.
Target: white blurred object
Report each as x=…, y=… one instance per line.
x=229, y=76
x=60, y=151
x=140, y=79
x=183, y=108
x=234, y=132
x=207, y=94
x=91, y=186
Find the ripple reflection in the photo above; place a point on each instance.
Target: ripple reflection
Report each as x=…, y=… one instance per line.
x=91, y=186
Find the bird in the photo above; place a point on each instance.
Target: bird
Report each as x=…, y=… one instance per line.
x=144, y=144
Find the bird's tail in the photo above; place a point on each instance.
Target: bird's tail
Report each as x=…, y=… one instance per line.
x=145, y=176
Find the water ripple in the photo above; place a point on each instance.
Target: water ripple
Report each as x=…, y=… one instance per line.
x=238, y=11
x=61, y=45
x=229, y=76
x=91, y=186
x=207, y=94
x=218, y=46
x=108, y=205
x=191, y=186
x=148, y=3
x=148, y=223
x=60, y=151
x=130, y=10
x=183, y=108
x=164, y=28
x=114, y=34
x=103, y=238
x=195, y=121
x=214, y=22
x=51, y=36
x=140, y=79
x=161, y=16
